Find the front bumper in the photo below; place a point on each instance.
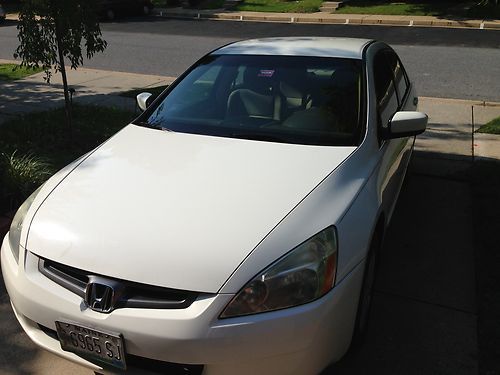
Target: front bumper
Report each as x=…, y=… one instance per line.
x=299, y=340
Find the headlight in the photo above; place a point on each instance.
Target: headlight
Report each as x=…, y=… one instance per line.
x=17, y=224
x=303, y=275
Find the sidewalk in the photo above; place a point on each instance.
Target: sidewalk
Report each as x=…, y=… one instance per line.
x=450, y=130
x=92, y=86
x=326, y=18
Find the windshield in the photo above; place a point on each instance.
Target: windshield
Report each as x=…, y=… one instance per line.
x=292, y=99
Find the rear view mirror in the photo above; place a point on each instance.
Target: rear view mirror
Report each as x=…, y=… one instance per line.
x=143, y=100
x=406, y=124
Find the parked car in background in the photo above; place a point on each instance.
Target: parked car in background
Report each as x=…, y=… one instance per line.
x=3, y=14
x=234, y=227
x=110, y=9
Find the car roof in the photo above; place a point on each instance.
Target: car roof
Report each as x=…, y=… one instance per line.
x=298, y=46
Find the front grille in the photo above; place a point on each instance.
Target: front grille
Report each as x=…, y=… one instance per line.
x=135, y=362
x=133, y=295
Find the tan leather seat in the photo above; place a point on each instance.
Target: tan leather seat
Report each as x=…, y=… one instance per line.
x=256, y=97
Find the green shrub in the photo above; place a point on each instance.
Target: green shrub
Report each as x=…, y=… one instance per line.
x=35, y=145
x=22, y=174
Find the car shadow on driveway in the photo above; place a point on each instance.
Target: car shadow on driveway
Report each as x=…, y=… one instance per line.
x=423, y=318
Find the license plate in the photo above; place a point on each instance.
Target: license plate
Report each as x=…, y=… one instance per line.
x=105, y=348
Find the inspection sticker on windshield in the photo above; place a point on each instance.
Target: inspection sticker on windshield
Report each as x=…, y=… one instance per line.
x=266, y=73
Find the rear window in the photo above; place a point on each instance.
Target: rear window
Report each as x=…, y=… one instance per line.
x=292, y=99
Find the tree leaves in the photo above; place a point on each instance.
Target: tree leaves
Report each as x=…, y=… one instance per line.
x=77, y=24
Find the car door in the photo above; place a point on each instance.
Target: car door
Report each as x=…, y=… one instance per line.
x=393, y=92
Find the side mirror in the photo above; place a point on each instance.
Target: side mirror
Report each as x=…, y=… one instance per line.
x=406, y=124
x=143, y=100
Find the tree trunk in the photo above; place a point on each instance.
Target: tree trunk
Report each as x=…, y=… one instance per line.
x=67, y=102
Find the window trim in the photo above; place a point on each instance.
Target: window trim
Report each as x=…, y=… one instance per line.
x=404, y=98
x=401, y=101
x=382, y=52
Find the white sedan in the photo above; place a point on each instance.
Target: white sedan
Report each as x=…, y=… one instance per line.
x=234, y=227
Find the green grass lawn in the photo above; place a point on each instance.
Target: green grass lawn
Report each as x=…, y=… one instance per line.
x=464, y=9
x=378, y=7
x=159, y=3
x=301, y=6
x=492, y=127
x=10, y=72
x=460, y=8
x=36, y=145
x=200, y=4
x=210, y=4
x=484, y=11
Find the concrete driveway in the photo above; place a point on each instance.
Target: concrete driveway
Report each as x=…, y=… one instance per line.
x=424, y=312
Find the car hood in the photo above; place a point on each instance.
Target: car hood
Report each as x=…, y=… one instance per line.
x=172, y=209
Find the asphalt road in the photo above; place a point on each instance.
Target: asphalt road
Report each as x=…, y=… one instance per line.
x=449, y=63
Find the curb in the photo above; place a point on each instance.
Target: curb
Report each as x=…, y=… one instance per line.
x=482, y=103
x=12, y=17
x=325, y=18
x=329, y=19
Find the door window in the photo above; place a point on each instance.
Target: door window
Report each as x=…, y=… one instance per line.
x=400, y=77
x=387, y=100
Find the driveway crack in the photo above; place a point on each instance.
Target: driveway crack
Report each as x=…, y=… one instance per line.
x=419, y=300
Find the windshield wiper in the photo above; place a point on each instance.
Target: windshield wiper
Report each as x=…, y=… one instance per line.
x=151, y=126
x=259, y=137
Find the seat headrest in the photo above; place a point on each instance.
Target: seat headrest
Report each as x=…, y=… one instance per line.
x=345, y=77
x=293, y=82
x=260, y=80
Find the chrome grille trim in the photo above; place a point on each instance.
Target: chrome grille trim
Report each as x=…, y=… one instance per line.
x=135, y=295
